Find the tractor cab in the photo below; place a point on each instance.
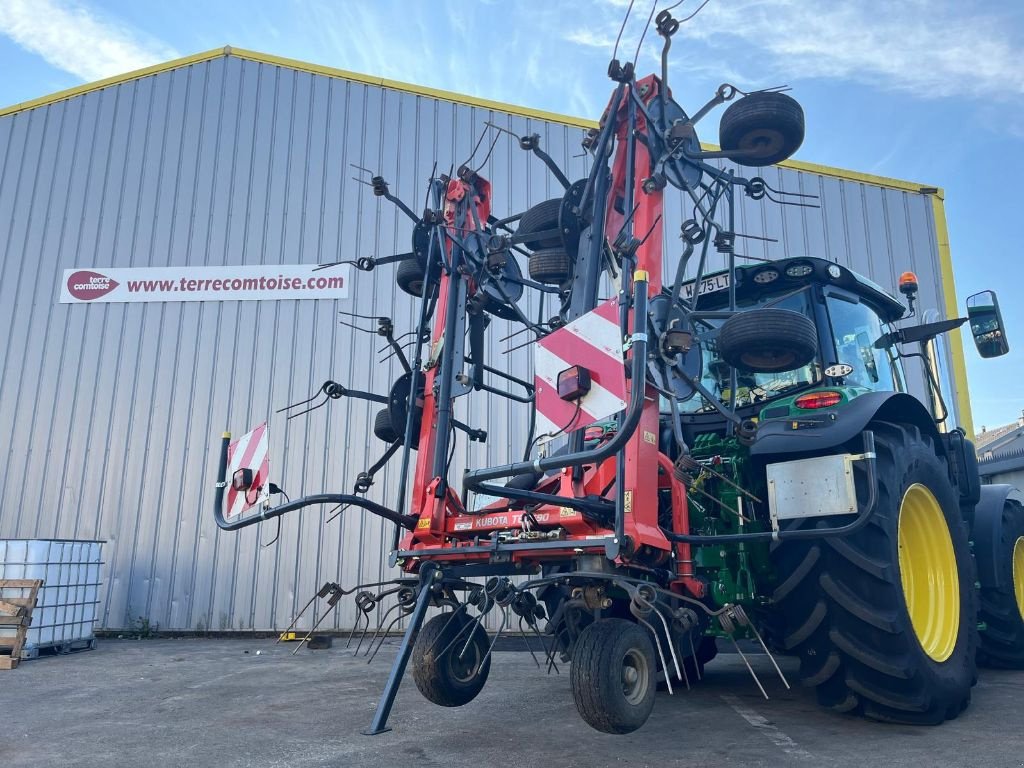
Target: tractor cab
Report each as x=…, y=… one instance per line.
x=850, y=315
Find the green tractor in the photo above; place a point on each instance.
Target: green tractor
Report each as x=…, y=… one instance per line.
x=890, y=612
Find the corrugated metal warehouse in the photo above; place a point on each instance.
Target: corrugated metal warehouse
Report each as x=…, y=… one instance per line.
x=113, y=411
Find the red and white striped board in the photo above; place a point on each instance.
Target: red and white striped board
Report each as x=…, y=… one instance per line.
x=594, y=342
x=249, y=451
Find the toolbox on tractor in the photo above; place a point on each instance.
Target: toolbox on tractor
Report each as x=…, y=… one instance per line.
x=741, y=457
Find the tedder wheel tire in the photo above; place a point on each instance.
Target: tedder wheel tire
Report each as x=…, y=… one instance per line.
x=383, y=428
x=768, y=340
x=440, y=674
x=884, y=620
x=541, y=218
x=770, y=124
x=614, y=675
x=550, y=266
x=409, y=276
x=1002, y=603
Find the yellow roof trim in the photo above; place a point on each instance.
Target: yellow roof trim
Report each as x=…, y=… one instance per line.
x=106, y=82
x=434, y=93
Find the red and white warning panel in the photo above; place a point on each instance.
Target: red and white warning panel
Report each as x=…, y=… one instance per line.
x=579, y=372
x=250, y=451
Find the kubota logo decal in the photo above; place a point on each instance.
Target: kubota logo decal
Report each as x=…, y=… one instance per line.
x=85, y=285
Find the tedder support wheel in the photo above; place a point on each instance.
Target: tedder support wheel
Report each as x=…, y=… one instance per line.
x=768, y=340
x=550, y=266
x=1001, y=574
x=383, y=428
x=884, y=620
x=447, y=671
x=768, y=126
x=541, y=218
x=409, y=276
x=614, y=675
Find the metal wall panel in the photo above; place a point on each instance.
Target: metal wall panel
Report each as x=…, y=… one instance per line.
x=113, y=411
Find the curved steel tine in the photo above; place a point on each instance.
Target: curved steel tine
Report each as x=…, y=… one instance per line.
x=365, y=630
x=490, y=648
x=661, y=655
x=749, y=668
x=451, y=618
x=384, y=636
x=479, y=620
x=693, y=653
x=526, y=641
x=457, y=637
x=768, y=653
x=686, y=675
x=356, y=628
x=668, y=637
x=550, y=653
x=379, y=625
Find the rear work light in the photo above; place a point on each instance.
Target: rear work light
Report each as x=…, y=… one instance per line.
x=242, y=479
x=812, y=400
x=573, y=383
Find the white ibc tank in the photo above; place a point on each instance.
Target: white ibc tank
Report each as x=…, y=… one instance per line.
x=70, y=571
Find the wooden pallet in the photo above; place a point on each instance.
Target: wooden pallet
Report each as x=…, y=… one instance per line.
x=17, y=601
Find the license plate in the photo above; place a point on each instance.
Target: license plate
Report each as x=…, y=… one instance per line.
x=710, y=284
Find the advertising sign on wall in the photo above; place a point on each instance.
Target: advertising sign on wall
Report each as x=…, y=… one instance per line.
x=98, y=285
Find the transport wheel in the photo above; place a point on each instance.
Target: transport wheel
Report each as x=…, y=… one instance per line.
x=441, y=675
x=409, y=277
x=884, y=620
x=768, y=340
x=770, y=125
x=613, y=675
x=999, y=548
x=550, y=266
x=540, y=218
x=383, y=428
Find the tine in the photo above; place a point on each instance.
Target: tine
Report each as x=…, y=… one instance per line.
x=445, y=627
x=749, y=668
x=668, y=639
x=661, y=655
x=365, y=630
x=550, y=652
x=693, y=653
x=686, y=675
x=316, y=623
x=296, y=619
x=355, y=629
x=469, y=638
x=526, y=640
x=384, y=636
x=457, y=637
x=768, y=653
x=490, y=648
x=379, y=625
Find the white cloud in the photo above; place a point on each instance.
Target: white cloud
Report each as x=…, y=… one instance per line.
x=932, y=48
x=76, y=39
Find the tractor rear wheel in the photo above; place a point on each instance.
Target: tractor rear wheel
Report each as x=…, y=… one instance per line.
x=614, y=675
x=884, y=620
x=447, y=671
x=1001, y=574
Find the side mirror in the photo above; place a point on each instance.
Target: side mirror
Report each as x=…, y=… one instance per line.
x=987, y=324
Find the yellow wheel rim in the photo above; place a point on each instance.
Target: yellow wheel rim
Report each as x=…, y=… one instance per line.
x=1018, y=574
x=928, y=572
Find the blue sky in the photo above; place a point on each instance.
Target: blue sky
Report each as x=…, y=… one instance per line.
x=926, y=90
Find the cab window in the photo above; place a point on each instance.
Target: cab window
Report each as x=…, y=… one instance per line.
x=856, y=328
